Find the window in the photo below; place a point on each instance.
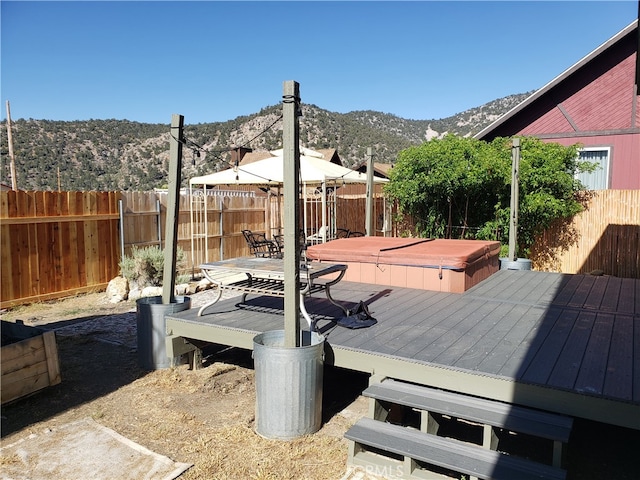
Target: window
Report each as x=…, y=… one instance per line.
x=599, y=178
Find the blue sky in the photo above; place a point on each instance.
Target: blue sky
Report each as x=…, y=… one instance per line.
x=213, y=61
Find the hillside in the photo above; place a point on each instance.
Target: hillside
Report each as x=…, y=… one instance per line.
x=125, y=155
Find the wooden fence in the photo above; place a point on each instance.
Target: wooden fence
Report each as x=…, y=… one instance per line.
x=605, y=237
x=56, y=244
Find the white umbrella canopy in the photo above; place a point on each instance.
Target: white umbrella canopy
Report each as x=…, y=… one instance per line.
x=270, y=171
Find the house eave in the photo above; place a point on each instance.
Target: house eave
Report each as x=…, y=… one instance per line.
x=557, y=80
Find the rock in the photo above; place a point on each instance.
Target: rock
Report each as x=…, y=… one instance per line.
x=117, y=290
x=151, y=292
x=135, y=294
x=203, y=284
x=182, y=289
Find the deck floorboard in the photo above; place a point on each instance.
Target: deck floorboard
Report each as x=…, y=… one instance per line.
x=574, y=334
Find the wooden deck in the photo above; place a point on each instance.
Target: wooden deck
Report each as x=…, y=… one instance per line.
x=563, y=343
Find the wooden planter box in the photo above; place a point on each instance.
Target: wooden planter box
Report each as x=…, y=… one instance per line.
x=30, y=363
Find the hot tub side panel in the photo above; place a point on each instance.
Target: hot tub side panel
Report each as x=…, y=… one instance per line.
x=439, y=265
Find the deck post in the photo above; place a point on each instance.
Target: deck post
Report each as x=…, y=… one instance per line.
x=369, y=216
x=291, y=176
x=515, y=193
x=173, y=207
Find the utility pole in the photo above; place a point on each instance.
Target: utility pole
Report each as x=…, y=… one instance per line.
x=12, y=159
x=369, y=214
x=291, y=176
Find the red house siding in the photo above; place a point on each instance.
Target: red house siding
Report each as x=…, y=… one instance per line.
x=553, y=121
x=595, y=104
x=624, y=170
x=605, y=104
x=599, y=104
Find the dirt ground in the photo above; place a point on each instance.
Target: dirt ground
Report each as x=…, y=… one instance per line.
x=206, y=417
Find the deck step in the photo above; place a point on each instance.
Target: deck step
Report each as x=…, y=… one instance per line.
x=370, y=437
x=497, y=414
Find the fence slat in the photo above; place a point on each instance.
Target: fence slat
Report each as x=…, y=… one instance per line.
x=49, y=237
x=58, y=243
x=605, y=238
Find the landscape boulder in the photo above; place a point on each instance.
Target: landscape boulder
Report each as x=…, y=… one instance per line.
x=118, y=290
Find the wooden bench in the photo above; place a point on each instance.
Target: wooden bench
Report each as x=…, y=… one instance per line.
x=436, y=405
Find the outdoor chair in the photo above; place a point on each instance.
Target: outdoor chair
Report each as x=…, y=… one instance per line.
x=346, y=233
x=261, y=246
x=279, y=240
x=319, y=236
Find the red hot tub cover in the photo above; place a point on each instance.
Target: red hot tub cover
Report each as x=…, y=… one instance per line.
x=414, y=252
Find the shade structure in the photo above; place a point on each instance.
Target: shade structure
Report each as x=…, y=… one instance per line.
x=321, y=175
x=270, y=172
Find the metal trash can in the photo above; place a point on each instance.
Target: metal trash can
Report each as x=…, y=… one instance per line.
x=288, y=385
x=152, y=331
x=517, y=264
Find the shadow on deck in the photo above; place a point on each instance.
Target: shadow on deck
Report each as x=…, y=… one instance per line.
x=567, y=344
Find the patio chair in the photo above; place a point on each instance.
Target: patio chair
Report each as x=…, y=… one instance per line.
x=261, y=246
x=319, y=236
x=279, y=239
x=302, y=243
x=342, y=233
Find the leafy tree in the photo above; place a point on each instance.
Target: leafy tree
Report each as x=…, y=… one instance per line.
x=463, y=183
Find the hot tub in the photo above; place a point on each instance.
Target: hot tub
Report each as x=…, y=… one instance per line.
x=429, y=264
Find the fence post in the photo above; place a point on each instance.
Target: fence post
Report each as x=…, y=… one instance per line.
x=121, y=222
x=159, y=210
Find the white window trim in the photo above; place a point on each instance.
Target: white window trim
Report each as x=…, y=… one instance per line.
x=600, y=149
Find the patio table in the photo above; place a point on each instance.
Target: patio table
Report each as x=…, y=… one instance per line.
x=265, y=276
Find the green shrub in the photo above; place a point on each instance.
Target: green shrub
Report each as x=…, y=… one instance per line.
x=145, y=266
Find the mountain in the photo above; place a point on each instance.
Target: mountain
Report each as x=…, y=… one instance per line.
x=123, y=155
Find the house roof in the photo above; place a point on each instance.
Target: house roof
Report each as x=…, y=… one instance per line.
x=379, y=169
x=328, y=154
x=559, y=79
x=251, y=157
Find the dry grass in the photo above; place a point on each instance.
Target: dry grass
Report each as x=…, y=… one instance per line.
x=203, y=417
x=206, y=417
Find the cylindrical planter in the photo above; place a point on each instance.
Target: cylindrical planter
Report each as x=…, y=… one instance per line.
x=152, y=331
x=288, y=385
x=517, y=264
